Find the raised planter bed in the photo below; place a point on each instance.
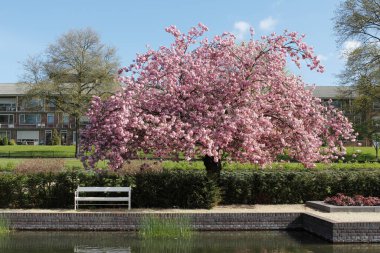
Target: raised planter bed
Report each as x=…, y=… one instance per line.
x=322, y=206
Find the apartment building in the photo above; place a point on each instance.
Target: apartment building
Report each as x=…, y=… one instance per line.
x=326, y=93
x=345, y=104
x=32, y=121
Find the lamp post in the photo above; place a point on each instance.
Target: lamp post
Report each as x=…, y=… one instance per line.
x=376, y=144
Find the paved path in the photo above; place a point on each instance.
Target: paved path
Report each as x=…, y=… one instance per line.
x=300, y=208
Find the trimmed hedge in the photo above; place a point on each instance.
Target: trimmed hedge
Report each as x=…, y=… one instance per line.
x=153, y=189
x=189, y=189
x=294, y=187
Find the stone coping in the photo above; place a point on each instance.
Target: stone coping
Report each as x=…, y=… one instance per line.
x=219, y=209
x=324, y=207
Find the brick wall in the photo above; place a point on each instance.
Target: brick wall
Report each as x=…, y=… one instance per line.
x=130, y=221
x=332, y=231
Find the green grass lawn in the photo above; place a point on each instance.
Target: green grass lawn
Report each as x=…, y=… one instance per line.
x=21, y=154
x=18, y=151
x=362, y=153
x=25, y=151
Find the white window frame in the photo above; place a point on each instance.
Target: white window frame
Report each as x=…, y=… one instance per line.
x=47, y=119
x=37, y=115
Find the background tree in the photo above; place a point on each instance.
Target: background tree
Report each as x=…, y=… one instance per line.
x=72, y=70
x=216, y=99
x=359, y=21
x=55, y=138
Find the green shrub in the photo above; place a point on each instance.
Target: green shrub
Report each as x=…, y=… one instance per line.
x=5, y=141
x=56, y=139
x=12, y=142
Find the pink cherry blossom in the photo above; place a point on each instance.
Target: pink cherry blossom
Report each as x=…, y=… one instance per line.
x=216, y=98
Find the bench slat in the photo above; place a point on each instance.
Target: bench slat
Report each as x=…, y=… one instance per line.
x=103, y=189
x=102, y=198
x=82, y=189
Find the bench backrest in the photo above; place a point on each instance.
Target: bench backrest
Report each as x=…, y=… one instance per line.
x=103, y=189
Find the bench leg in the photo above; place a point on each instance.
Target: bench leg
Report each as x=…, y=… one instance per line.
x=129, y=201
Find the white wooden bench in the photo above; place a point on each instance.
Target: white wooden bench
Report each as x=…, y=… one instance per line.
x=80, y=189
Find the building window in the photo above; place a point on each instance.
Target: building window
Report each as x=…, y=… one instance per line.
x=6, y=119
x=7, y=104
x=376, y=121
x=28, y=137
x=48, y=137
x=84, y=120
x=64, y=137
x=51, y=102
x=5, y=134
x=30, y=119
x=357, y=119
x=376, y=105
x=50, y=119
x=66, y=119
x=337, y=103
x=35, y=102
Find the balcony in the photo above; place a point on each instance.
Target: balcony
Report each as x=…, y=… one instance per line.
x=2, y=125
x=31, y=109
x=67, y=126
x=7, y=108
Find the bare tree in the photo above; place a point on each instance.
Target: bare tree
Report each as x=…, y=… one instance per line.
x=72, y=70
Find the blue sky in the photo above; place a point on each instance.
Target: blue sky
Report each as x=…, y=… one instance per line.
x=28, y=27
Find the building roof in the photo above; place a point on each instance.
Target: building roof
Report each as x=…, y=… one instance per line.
x=7, y=89
x=329, y=91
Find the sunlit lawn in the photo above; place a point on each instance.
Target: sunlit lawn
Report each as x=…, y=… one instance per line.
x=14, y=151
x=364, y=153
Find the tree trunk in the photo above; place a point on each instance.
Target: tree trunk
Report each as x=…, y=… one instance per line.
x=213, y=168
x=77, y=139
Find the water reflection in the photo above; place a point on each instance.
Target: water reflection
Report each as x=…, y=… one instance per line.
x=221, y=242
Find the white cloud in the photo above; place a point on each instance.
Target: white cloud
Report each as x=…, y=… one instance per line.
x=322, y=57
x=268, y=24
x=349, y=46
x=241, y=29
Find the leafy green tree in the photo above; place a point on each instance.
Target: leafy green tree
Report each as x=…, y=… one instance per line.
x=357, y=22
x=72, y=70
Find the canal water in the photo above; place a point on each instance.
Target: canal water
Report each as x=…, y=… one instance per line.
x=220, y=242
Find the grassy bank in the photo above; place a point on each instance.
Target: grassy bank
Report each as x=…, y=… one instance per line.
x=18, y=151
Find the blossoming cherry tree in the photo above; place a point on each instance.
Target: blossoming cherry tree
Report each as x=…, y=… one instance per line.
x=216, y=99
